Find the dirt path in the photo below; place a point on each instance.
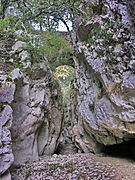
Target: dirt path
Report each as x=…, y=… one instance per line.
x=76, y=167
x=125, y=166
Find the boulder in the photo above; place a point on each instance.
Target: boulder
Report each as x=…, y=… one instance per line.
x=18, y=47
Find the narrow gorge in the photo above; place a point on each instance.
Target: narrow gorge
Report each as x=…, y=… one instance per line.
x=70, y=120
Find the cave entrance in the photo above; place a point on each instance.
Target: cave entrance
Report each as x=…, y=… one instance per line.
x=123, y=150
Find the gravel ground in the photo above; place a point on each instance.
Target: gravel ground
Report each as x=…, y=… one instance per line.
x=126, y=167
x=70, y=167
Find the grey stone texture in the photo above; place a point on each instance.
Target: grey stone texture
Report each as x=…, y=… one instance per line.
x=31, y=111
x=37, y=110
x=37, y=115
x=103, y=109
x=6, y=155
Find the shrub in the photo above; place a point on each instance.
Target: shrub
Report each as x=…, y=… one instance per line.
x=57, y=49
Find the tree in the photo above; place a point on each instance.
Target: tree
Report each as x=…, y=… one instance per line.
x=57, y=49
x=4, y=5
x=44, y=13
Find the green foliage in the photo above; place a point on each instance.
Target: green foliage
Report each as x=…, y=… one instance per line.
x=55, y=166
x=96, y=8
x=55, y=84
x=10, y=77
x=44, y=13
x=6, y=26
x=69, y=166
x=35, y=52
x=41, y=44
x=57, y=49
x=93, y=8
x=101, y=33
x=65, y=75
x=49, y=46
x=67, y=124
x=17, y=62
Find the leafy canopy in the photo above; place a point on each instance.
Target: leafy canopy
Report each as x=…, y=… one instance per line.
x=42, y=13
x=45, y=14
x=65, y=75
x=57, y=49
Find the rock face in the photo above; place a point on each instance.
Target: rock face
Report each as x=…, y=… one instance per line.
x=37, y=115
x=37, y=110
x=103, y=111
x=6, y=156
x=31, y=109
x=6, y=118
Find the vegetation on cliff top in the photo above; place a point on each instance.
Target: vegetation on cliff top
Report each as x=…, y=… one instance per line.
x=35, y=23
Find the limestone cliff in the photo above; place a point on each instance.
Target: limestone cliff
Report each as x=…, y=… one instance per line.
x=6, y=97
x=31, y=107
x=104, y=109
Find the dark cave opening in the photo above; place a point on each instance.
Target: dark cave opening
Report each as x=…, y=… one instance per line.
x=124, y=150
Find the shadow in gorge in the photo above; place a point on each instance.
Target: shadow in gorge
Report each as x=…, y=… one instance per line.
x=124, y=150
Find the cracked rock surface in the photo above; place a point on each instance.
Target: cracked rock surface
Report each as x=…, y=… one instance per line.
x=31, y=112
x=104, y=108
x=37, y=109
x=6, y=112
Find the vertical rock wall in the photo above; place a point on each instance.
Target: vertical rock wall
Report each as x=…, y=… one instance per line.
x=6, y=155
x=37, y=109
x=37, y=115
x=31, y=111
x=104, y=39
x=6, y=113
